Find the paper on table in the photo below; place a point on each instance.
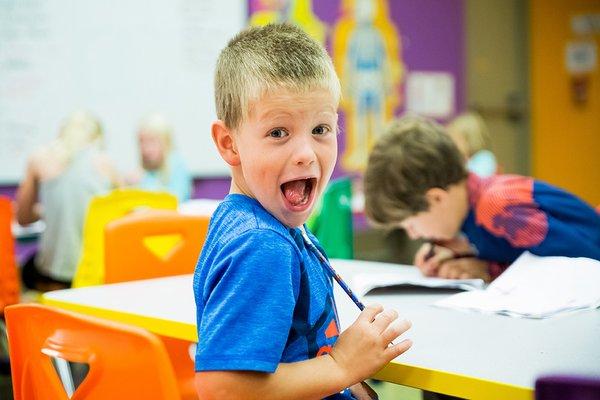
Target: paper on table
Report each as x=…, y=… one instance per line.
x=363, y=283
x=536, y=287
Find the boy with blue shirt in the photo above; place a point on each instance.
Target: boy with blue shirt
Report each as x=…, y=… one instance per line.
x=266, y=316
x=416, y=179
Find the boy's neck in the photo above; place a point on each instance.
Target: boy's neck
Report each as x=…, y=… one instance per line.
x=460, y=198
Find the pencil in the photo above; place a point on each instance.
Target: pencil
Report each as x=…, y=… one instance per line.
x=332, y=271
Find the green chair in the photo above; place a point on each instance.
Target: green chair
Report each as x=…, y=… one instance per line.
x=331, y=220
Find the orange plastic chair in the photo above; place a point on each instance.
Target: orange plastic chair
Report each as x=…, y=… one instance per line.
x=133, y=250
x=101, y=211
x=9, y=278
x=124, y=362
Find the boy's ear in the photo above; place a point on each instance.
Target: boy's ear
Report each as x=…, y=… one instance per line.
x=435, y=195
x=225, y=142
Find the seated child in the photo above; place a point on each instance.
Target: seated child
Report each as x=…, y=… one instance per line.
x=416, y=180
x=162, y=167
x=471, y=135
x=266, y=317
x=61, y=179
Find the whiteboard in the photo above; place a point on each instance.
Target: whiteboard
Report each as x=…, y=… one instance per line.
x=121, y=60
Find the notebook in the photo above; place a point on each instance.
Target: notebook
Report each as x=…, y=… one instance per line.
x=365, y=282
x=536, y=287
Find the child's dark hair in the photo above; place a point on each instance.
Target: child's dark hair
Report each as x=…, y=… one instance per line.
x=413, y=156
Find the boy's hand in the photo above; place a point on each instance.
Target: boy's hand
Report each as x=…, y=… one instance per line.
x=429, y=261
x=364, y=348
x=464, y=268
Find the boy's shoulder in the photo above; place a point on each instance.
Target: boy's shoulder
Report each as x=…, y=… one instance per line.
x=498, y=192
x=239, y=215
x=505, y=206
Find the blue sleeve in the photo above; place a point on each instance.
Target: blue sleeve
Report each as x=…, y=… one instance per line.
x=249, y=299
x=573, y=225
x=567, y=239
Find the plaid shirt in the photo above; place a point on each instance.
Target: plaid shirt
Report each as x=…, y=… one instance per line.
x=510, y=214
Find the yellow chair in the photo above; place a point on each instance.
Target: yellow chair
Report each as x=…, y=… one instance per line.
x=120, y=361
x=101, y=211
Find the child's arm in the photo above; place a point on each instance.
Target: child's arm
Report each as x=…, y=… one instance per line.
x=360, y=351
x=430, y=257
x=26, y=199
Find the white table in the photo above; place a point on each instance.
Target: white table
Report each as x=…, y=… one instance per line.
x=464, y=354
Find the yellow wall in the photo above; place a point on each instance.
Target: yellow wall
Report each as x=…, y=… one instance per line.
x=565, y=141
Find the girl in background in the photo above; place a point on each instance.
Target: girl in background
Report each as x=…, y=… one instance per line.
x=472, y=137
x=162, y=167
x=60, y=180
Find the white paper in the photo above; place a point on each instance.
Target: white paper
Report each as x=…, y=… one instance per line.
x=581, y=57
x=536, y=287
x=430, y=94
x=363, y=283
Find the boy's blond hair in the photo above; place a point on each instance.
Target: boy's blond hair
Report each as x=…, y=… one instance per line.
x=413, y=156
x=262, y=59
x=470, y=128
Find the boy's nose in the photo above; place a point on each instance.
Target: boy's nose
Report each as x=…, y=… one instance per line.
x=305, y=153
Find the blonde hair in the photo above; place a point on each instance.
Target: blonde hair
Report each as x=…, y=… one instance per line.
x=413, y=156
x=78, y=130
x=259, y=60
x=157, y=125
x=471, y=129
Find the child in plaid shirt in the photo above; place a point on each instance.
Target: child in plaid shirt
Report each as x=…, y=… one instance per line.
x=416, y=179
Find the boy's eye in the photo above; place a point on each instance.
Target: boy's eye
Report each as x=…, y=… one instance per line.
x=278, y=133
x=320, y=130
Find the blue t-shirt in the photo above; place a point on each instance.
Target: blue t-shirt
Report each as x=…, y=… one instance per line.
x=262, y=297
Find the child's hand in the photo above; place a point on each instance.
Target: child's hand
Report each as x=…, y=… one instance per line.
x=464, y=268
x=364, y=348
x=429, y=261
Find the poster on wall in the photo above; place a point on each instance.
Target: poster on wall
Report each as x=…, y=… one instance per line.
x=367, y=40
x=430, y=94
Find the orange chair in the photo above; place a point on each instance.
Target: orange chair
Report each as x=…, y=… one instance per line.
x=9, y=278
x=132, y=250
x=124, y=362
x=129, y=253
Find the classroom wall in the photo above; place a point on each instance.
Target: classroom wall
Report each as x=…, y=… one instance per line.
x=497, y=72
x=565, y=139
x=431, y=40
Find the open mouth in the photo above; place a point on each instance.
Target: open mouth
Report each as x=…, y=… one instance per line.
x=298, y=192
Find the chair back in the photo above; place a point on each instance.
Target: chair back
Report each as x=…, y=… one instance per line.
x=567, y=387
x=9, y=278
x=133, y=249
x=102, y=210
x=331, y=222
x=124, y=362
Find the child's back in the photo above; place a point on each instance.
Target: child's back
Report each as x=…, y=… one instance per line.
x=511, y=213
